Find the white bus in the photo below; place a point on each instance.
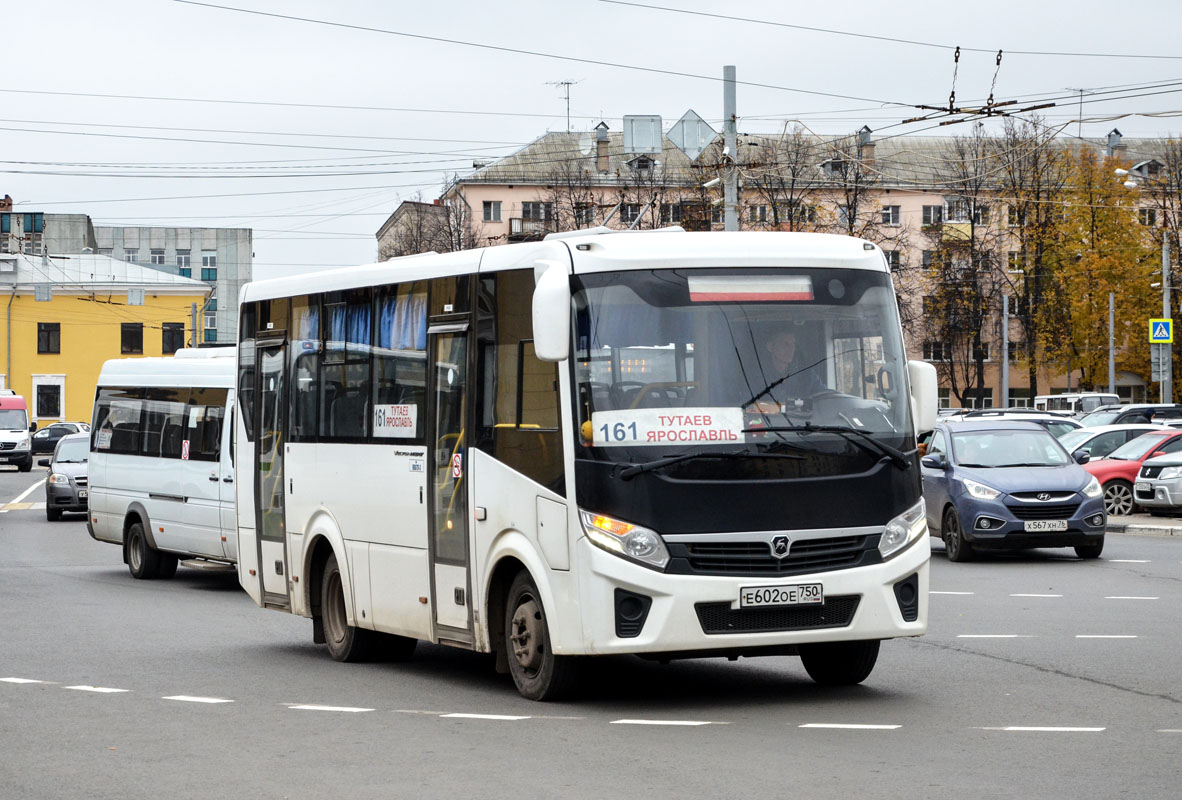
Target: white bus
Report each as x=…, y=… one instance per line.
x=580, y=446
x=161, y=471
x=1076, y=403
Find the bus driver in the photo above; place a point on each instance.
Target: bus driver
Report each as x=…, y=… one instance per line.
x=797, y=376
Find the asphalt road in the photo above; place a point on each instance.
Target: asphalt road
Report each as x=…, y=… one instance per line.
x=1042, y=676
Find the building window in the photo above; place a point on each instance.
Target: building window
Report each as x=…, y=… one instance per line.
x=104, y=251
x=758, y=214
x=944, y=397
x=172, y=337
x=894, y=259
x=211, y=304
x=539, y=212
x=1014, y=350
x=891, y=215
x=629, y=212
x=131, y=254
x=1147, y=216
x=211, y=334
x=209, y=273
x=584, y=215
x=974, y=400
x=157, y=257
x=933, y=215
x=185, y=272
x=492, y=210
x=1014, y=261
x=671, y=213
x=132, y=338
x=937, y=351
x=717, y=215
x=182, y=259
x=49, y=400
x=49, y=337
x=929, y=259
x=1013, y=218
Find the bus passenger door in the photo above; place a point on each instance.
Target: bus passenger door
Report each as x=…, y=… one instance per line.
x=447, y=448
x=269, y=482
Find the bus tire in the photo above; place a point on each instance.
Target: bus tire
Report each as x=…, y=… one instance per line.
x=28, y=465
x=839, y=663
x=345, y=642
x=142, y=560
x=537, y=671
x=165, y=565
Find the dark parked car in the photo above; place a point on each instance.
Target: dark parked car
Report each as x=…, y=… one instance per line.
x=1156, y=413
x=46, y=439
x=66, y=486
x=990, y=485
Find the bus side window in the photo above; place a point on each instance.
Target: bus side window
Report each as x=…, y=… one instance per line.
x=400, y=363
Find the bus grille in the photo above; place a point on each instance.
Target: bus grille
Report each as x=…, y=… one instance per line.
x=7, y=445
x=755, y=558
x=717, y=618
x=1055, y=511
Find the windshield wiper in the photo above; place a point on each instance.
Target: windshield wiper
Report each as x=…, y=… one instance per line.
x=1029, y=464
x=977, y=466
x=631, y=472
x=864, y=440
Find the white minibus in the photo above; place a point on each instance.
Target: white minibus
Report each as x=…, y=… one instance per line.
x=161, y=466
x=661, y=443
x=1075, y=403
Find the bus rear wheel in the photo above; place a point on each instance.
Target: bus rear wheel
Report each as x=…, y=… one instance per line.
x=839, y=663
x=538, y=673
x=345, y=642
x=142, y=560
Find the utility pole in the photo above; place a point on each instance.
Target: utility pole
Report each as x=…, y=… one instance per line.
x=193, y=311
x=730, y=217
x=1111, y=343
x=1167, y=384
x=1005, y=351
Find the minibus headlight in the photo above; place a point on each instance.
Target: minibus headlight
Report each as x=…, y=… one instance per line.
x=24, y=444
x=1093, y=488
x=903, y=530
x=625, y=539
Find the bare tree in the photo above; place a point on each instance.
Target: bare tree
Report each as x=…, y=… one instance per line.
x=784, y=177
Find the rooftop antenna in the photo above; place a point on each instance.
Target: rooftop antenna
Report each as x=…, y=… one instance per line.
x=1079, y=128
x=566, y=93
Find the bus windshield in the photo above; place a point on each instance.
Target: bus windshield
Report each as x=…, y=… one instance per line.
x=13, y=419
x=745, y=359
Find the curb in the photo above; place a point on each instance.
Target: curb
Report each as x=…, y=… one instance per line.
x=1144, y=530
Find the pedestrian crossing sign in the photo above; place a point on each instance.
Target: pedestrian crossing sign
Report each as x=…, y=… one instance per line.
x=1161, y=331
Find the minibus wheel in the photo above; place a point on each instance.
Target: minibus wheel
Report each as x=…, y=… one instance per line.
x=142, y=560
x=839, y=663
x=345, y=642
x=538, y=673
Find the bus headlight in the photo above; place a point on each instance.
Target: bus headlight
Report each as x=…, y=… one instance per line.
x=903, y=530
x=625, y=539
x=24, y=444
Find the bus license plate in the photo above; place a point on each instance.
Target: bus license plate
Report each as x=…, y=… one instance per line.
x=1036, y=525
x=797, y=595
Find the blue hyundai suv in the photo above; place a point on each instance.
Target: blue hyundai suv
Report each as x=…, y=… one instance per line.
x=996, y=485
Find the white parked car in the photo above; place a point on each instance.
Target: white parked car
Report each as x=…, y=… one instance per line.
x=1101, y=440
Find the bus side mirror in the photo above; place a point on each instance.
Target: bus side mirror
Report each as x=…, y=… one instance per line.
x=924, y=401
x=551, y=314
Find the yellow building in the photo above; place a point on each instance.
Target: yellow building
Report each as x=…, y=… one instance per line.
x=63, y=316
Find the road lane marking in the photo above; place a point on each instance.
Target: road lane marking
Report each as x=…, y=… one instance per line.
x=1130, y=597
x=185, y=698
x=19, y=680
x=99, y=689
x=507, y=717
x=690, y=722
x=960, y=593
x=1129, y=561
x=1105, y=636
x=1044, y=729
x=1036, y=595
x=1169, y=730
x=850, y=726
x=348, y=709
x=994, y=636
x=15, y=504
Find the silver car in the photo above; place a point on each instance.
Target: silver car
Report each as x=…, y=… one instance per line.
x=66, y=488
x=1159, y=484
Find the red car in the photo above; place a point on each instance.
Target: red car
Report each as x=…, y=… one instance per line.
x=1118, y=471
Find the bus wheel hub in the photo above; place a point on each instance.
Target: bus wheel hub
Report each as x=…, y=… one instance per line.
x=526, y=636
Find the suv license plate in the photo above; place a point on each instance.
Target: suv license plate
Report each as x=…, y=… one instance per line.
x=796, y=595
x=1045, y=525
x=1143, y=486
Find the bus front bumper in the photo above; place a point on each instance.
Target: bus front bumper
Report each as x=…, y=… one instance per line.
x=628, y=608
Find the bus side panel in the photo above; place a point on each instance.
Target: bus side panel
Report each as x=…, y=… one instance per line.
x=399, y=576
x=386, y=485
x=248, y=556
x=511, y=501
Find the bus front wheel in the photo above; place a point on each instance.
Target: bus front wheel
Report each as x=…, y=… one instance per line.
x=839, y=663
x=345, y=642
x=538, y=673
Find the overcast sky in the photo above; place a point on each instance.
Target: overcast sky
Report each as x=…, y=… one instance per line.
x=245, y=97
